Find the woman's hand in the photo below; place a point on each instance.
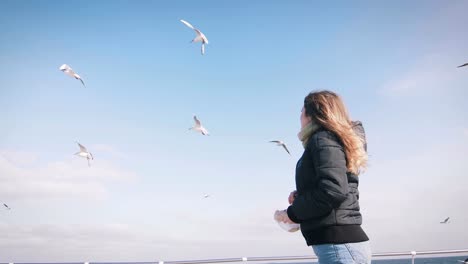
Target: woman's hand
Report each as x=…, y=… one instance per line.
x=282, y=216
x=292, y=196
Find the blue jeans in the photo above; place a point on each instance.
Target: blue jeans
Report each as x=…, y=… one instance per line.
x=348, y=253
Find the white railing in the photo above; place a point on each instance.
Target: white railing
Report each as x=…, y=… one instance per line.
x=411, y=254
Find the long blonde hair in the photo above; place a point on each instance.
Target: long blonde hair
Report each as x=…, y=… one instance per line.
x=328, y=110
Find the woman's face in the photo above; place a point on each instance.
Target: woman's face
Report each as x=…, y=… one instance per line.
x=305, y=120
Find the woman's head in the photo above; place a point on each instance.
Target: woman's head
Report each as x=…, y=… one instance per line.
x=326, y=109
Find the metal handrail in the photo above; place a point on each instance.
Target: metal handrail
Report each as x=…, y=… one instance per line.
x=413, y=254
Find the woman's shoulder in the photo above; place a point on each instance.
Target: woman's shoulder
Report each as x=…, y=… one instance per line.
x=323, y=138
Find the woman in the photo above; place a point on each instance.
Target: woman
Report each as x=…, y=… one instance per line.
x=326, y=201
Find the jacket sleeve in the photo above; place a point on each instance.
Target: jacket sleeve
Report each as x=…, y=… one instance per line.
x=332, y=187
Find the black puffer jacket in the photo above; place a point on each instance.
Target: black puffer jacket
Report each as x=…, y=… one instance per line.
x=327, y=201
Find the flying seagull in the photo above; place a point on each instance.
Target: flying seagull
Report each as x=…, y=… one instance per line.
x=206, y=196
x=445, y=221
x=466, y=64
x=7, y=206
x=198, y=127
x=84, y=153
x=69, y=71
x=281, y=143
x=199, y=38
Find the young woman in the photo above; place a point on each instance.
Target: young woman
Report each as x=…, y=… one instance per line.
x=326, y=203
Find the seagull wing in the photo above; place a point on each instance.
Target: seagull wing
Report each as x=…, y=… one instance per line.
x=197, y=122
x=70, y=71
x=81, y=81
x=82, y=148
x=466, y=64
x=199, y=33
x=285, y=148
x=204, y=38
x=64, y=67
x=200, y=37
x=187, y=24
x=275, y=141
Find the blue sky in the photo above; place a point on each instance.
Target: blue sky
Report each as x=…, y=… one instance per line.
x=394, y=63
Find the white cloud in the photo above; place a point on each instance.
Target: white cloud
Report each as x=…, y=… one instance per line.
x=66, y=242
x=435, y=73
x=121, y=242
x=22, y=178
x=19, y=158
x=104, y=148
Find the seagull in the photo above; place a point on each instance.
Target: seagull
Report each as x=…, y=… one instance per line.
x=465, y=261
x=206, y=196
x=199, y=38
x=198, y=127
x=69, y=71
x=466, y=64
x=7, y=206
x=281, y=143
x=84, y=153
x=445, y=221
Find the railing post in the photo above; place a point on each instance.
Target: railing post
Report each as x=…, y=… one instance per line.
x=413, y=254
